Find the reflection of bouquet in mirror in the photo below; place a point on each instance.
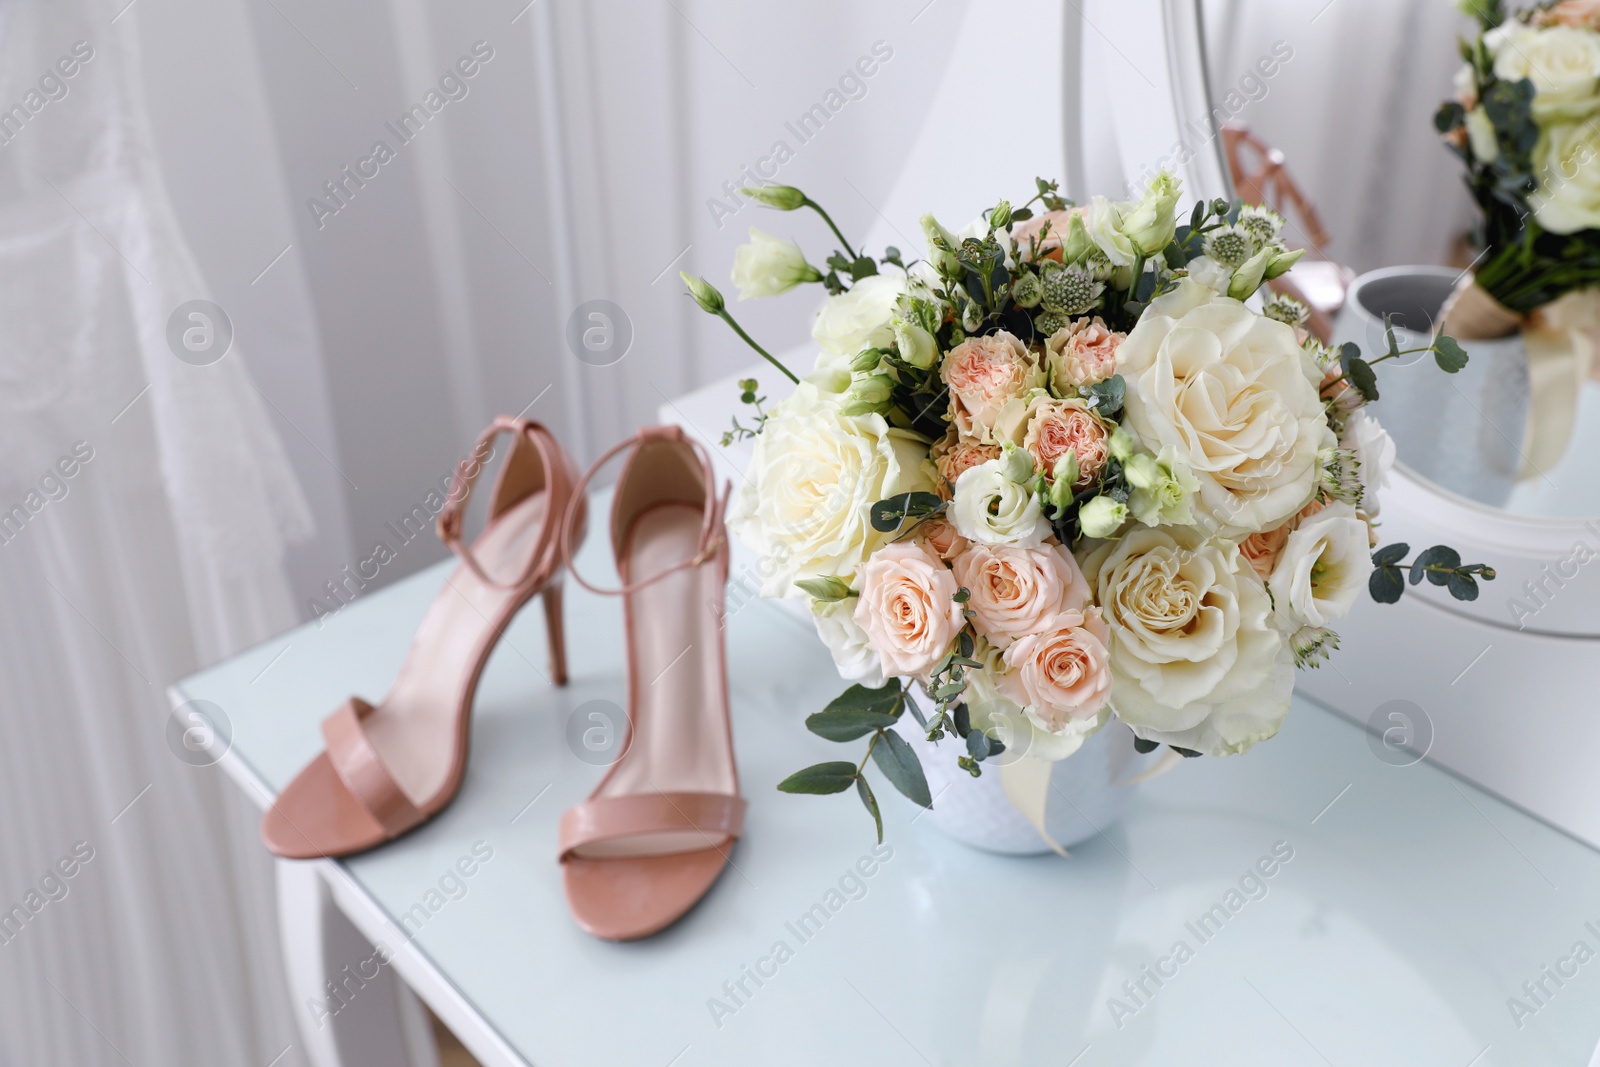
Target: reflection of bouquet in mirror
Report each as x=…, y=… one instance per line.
x=1526, y=123
x=1068, y=466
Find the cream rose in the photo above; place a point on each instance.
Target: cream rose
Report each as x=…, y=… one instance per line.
x=991, y=509
x=907, y=608
x=983, y=373
x=847, y=642
x=1195, y=659
x=1236, y=397
x=860, y=318
x=815, y=474
x=1013, y=592
x=1061, y=674
x=1324, y=565
x=1566, y=161
x=1081, y=354
x=1562, y=62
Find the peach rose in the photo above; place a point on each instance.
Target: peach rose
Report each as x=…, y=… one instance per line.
x=1014, y=592
x=953, y=457
x=1057, y=427
x=1579, y=14
x=1082, y=354
x=1063, y=673
x=906, y=608
x=983, y=373
x=1261, y=550
x=939, y=536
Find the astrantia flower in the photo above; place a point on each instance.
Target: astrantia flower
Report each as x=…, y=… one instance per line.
x=1231, y=246
x=1262, y=223
x=1071, y=291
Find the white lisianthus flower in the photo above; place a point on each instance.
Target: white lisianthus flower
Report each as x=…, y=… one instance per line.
x=861, y=317
x=1163, y=488
x=1104, y=224
x=847, y=642
x=1235, y=397
x=1194, y=658
x=1323, y=567
x=1211, y=274
x=813, y=478
x=991, y=509
x=1563, y=64
x=1566, y=161
x=1481, y=135
x=1374, y=451
x=768, y=265
x=1151, y=223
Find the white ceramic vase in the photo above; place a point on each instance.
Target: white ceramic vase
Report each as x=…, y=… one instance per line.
x=1088, y=791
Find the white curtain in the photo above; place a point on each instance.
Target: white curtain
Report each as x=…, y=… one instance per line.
x=146, y=505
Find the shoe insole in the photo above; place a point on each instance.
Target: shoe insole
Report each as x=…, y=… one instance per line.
x=679, y=740
x=416, y=730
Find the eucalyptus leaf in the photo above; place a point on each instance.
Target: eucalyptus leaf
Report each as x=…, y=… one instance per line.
x=820, y=778
x=1449, y=355
x=1386, y=585
x=846, y=724
x=864, y=791
x=1462, y=586
x=899, y=763
x=1390, y=554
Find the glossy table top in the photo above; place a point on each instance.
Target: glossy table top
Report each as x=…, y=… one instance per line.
x=1404, y=908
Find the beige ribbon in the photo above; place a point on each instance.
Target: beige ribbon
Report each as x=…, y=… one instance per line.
x=1559, y=341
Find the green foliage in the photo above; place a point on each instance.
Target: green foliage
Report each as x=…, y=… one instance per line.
x=1440, y=565
x=820, y=778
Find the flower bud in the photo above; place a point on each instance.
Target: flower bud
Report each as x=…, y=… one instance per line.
x=1066, y=471
x=866, y=360
x=827, y=589
x=941, y=246
x=1027, y=290
x=705, y=294
x=782, y=197
x=1153, y=222
x=1076, y=244
x=768, y=265
x=1247, y=278
x=1122, y=445
x=1016, y=463
x=1280, y=263
x=916, y=345
x=868, y=395
x=1102, y=516
x=1000, y=217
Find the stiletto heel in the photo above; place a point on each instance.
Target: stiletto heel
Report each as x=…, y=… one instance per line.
x=654, y=836
x=555, y=630
x=391, y=767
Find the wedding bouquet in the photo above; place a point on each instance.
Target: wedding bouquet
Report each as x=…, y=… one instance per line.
x=1526, y=122
x=1067, y=466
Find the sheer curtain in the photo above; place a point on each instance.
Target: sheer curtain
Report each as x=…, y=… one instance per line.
x=146, y=504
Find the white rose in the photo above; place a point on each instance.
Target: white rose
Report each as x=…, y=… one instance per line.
x=862, y=317
x=1235, y=396
x=991, y=509
x=1322, y=569
x=1562, y=62
x=1194, y=658
x=1566, y=161
x=847, y=642
x=813, y=478
x=1374, y=450
x=768, y=265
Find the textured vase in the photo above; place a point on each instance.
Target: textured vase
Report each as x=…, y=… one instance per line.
x=1087, y=791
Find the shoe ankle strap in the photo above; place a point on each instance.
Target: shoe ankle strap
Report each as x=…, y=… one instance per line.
x=713, y=532
x=557, y=479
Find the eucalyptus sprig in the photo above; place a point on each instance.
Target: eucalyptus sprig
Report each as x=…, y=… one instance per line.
x=747, y=395
x=1358, y=373
x=1441, y=565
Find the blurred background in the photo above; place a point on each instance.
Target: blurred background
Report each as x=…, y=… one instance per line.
x=392, y=219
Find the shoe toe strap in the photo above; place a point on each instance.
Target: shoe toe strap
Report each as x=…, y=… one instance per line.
x=362, y=771
x=714, y=817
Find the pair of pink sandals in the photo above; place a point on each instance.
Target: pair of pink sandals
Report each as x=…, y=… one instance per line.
x=655, y=834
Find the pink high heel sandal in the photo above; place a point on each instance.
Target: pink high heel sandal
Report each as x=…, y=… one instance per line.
x=655, y=834
x=391, y=767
